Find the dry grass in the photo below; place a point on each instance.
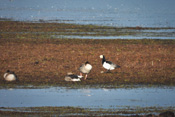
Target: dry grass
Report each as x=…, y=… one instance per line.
x=48, y=60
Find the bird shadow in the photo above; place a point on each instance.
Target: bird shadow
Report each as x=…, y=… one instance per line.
x=89, y=78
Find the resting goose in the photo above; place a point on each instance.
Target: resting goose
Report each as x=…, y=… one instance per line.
x=72, y=77
x=10, y=76
x=85, y=69
x=108, y=64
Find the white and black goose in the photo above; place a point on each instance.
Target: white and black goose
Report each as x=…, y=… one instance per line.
x=72, y=77
x=10, y=76
x=85, y=69
x=108, y=64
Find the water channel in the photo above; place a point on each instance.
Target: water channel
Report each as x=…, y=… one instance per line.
x=107, y=98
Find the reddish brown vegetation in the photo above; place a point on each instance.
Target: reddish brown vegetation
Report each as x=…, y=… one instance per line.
x=37, y=59
x=49, y=61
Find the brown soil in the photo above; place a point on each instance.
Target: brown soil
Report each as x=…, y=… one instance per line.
x=46, y=61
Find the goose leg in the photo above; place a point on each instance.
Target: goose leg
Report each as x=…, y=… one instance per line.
x=108, y=71
x=81, y=74
x=85, y=77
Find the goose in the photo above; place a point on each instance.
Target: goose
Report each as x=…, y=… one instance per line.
x=10, y=76
x=72, y=77
x=85, y=69
x=108, y=64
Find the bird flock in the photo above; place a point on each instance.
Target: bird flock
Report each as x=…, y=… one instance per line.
x=87, y=67
x=84, y=69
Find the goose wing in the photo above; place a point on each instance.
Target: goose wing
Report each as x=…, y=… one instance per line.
x=75, y=76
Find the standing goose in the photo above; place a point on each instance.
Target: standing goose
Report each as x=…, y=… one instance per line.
x=10, y=76
x=108, y=64
x=72, y=77
x=85, y=69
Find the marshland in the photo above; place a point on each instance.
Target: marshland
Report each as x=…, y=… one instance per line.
x=40, y=60
x=42, y=51
x=44, y=59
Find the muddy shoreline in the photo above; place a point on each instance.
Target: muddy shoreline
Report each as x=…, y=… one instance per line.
x=73, y=111
x=40, y=59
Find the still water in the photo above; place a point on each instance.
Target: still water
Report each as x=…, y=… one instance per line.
x=121, y=13
x=89, y=97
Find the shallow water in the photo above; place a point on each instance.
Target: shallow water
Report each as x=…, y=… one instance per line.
x=116, y=13
x=89, y=97
x=110, y=37
x=120, y=13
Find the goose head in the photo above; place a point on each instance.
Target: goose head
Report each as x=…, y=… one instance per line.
x=87, y=62
x=101, y=56
x=69, y=73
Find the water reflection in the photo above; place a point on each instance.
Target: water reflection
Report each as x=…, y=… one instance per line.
x=87, y=97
